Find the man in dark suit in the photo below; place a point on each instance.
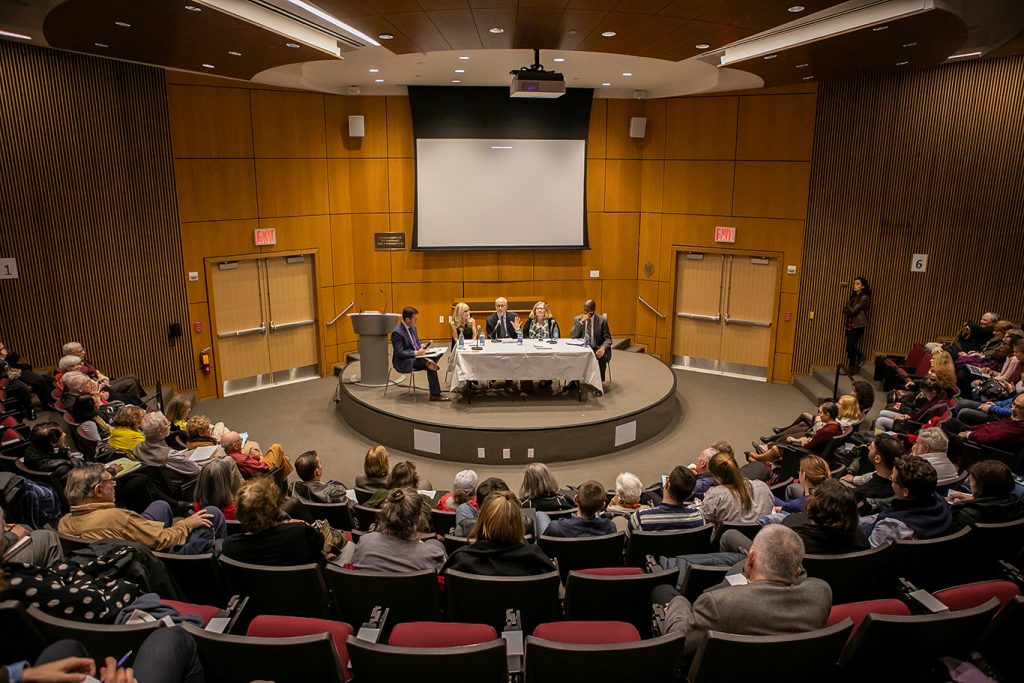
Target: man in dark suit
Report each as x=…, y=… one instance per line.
x=594, y=327
x=501, y=324
x=408, y=351
x=775, y=599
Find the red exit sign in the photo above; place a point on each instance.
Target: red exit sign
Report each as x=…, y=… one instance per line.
x=723, y=234
x=266, y=237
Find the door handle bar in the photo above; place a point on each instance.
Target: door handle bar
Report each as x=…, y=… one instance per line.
x=698, y=316
x=285, y=326
x=262, y=329
x=751, y=323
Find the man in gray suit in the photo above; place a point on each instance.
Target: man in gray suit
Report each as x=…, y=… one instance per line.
x=774, y=600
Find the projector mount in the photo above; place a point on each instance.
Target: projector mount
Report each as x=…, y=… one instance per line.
x=535, y=70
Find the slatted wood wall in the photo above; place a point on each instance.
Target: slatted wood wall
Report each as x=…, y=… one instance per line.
x=928, y=162
x=87, y=207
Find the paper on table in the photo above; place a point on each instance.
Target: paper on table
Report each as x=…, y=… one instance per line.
x=202, y=453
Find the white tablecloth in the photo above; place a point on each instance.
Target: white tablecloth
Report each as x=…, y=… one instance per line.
x=565, y=361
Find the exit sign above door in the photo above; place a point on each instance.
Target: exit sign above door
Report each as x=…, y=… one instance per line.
x=723, y=234
x=266, y=237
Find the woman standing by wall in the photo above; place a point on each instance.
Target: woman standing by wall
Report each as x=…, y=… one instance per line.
x=855, y=315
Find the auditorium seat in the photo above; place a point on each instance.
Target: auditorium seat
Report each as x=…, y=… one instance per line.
x=100, y=640
x=71, y=544
x=439, y=634
x=1000, y=541
x=484, y=599
x=999, y=643
x=973, y=594
x=375, y=663
x=795, y=657
x=410, y=596
x=935, y=562
x=21, y=636
x=582, y=652
x=561, y=514
x=365, y=517
x=668, y=543
x=288, y=591
x=297, y=652
x=452, y=542
x=198, y=577
x=863, y=575
x=363, y=495
x=584, y=552
x=615, y=594
x=441, y=521
x=748, y=530
x=204, y=612
x=698, y=578
x=920, y=639
x=233, y=527
x=47, y=478
x=338, y=515
x=858, y=611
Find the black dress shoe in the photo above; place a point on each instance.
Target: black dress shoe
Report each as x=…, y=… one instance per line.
x=765, y=439
x=777, y=430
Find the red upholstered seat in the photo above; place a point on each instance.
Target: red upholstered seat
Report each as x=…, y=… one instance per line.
x=10, y=435
x=8, y=421
x=204, y=612
x=857, y=611
x=612, y=571
x=440, y=634
x=271, y=626
x=974, y=594
x=588, y=632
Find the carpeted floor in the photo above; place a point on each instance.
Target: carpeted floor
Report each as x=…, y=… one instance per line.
x=302, y=416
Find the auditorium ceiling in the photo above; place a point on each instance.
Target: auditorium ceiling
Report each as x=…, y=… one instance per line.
x=621, y=48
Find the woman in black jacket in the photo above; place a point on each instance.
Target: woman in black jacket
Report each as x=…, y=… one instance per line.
x=47, y=453
x=992, y=501
x=829, y=524
x=855, y=316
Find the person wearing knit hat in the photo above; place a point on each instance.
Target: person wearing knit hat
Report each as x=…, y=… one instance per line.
x=463, y=488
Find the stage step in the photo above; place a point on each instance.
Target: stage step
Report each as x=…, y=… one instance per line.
x=639, y=348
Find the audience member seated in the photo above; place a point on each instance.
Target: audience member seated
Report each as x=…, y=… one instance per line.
x=125, y=432
x=65, y=365
x=178, y=468
x=83, y=400
x=498, y=546
x=312, y=488
x=43, y=551
x=829, y=524
x=776, y=599
x=916, y=512
x=402, y=475
x=178, y=410
x=68, y=590
x=972, y=413
x=199, y=432
x=997, y=385
x=626, y=501
x=813, y=471
x=992, y=499
x=673, y=512
x=376, y=467
x=22, y=373
x=463, y=490
x=932, y=445
x=270, y=538
x=126, y=388
x=877, y=484
x=395, y=546
x=590, y=500
x=706, y=480
x=47, y=451
x=931, y=401
x=1006, y=434
x=808, y=425
x=215, y=487
x=974, y=335
x=827, y=414
x=467, y=513
x=250, y=460
x=736, y=499
x=540, y=490
x=90, y=491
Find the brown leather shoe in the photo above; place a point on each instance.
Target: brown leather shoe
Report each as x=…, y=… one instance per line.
x=440, y=398
x=431, y=365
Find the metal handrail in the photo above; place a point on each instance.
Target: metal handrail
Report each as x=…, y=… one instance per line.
x=347, y=309
x=655, y=310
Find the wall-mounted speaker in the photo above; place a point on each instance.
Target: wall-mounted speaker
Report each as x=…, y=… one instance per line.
x=637, y=127
x=356, y=126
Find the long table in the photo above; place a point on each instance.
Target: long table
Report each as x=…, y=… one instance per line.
x=565, y=360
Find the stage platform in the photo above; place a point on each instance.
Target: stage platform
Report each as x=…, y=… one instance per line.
x=501, y=426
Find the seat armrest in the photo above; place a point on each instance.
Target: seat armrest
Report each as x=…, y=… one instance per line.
x=651, y=564
x=512, y=634
x=658, y=627
x=224, y=621
x=372, y=630
x=919, y=600
x=1012, y=573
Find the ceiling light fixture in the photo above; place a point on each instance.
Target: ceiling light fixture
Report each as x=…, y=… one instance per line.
x=122, y=24
x=909, y=44
x=209, y=66
x=456, y=81
x=374, y=71
x=293, y=46
x=966, y=54
x=880, y=28
x=19, y=36
x=460, y=71
x=193, y=8
x=101, y=45
x=464, y=58
x=702, y=46
x=559, y=59
x=797, y=8
x=386, y=36
x=802, y=66
x=573, y=32
x=496, y=29
x=627, y=74
x=378, y=80
x=608, y=34
x=234, y=53
x=605, y=85
x=331, y=19
x=807, y=78
x=902, y=63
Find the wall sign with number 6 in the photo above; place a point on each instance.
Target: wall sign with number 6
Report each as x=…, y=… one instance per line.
x=919, y=263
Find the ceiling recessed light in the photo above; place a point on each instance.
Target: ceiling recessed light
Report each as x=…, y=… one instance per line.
x=460, y=71
x=496, y=29
x=802, y=66
x=807, y=78
x=966, y=54
x=193, y=8
x=386, y=36
x=902, y=63
x=234, y=53
x=293, y=46
x=464, y=58
x=559, y=59
x=456, y=81
x=608, y=34
x=605, y=85
x=879, y=28
x=573, y=32
x=122, y=24
x=702, y=46
x=209, y=66
x=378, y=80
x=20, y=36
x=101, y=45
x=797, y=8
x=627, y=74
x=909, y=44
x=770, y=56
x=375, y=71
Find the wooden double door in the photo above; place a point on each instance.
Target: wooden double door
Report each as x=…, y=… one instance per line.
x=265, y=322
x=724, y=311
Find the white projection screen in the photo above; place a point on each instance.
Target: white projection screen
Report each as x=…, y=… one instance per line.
x=500, y=193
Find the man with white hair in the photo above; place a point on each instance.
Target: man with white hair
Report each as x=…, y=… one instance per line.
x=501, y=324
x=155, y=451
x=776, y=597
x=932, y=445
x=126, y=388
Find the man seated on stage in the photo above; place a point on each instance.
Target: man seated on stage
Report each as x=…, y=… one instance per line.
x=594, y=327
x=408, y=351
x=501, y=324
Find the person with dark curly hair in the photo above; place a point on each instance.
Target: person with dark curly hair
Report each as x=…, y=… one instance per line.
x=269, y=539
x=395, y=546
x=992, y=499
x=829, y=524
x=917, y=512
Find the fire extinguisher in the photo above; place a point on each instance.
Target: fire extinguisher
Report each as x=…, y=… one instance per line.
x=205, y=360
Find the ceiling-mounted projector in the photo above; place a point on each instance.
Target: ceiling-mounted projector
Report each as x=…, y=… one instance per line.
x=535, y=81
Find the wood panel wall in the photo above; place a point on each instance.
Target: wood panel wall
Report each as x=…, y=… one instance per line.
x=928, y=162
x=87, y=207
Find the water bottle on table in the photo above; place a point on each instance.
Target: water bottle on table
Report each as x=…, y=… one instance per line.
x=480, y=342
x=519, y=337
x=462, y=340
